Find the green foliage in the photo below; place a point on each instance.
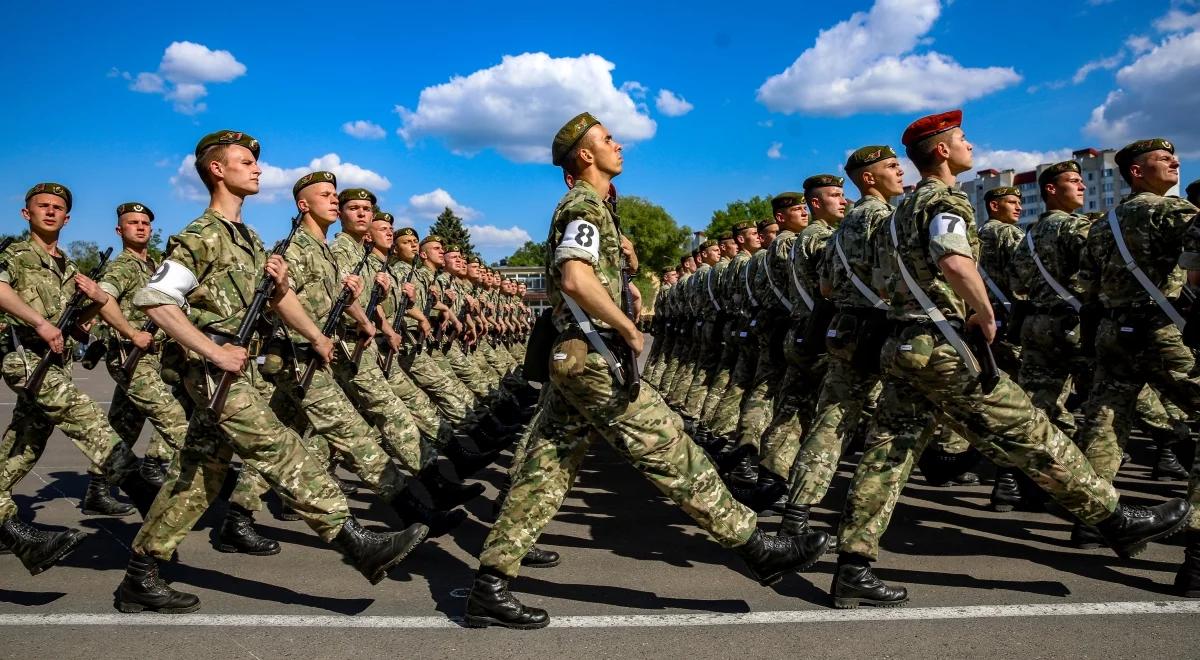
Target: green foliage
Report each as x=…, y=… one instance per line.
x=85, y=254
x=23, y=236
x=530, y=254
x=757, y=208
x=155, y=248
x=450, y=227
x=658, y=240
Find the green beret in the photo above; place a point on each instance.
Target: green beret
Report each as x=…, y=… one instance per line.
x=1132, y=150
x=51, y=189
x=227, y=137
x=725, y=236
x=432, y=238
x=405, y=231
x=685, y=257
x=311, y=178
x=568, y=136
x=1048, y=175
x=134, y=207
x=868, y=156
x=742, y=226
x=453, y=247
x=763, y=224
x=475, y=260
x=1193, y=189
x=708, y=244
x=785, y=201
x=1002, y=191
x=822, y=181
x=383, y=216
x=351, y=194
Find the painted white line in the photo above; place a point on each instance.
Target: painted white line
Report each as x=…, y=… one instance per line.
x=616, y=621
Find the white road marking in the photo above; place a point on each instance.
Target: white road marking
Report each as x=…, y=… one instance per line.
x=614, y=621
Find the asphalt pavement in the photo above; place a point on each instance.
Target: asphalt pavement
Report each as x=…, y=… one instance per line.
x=638, y=579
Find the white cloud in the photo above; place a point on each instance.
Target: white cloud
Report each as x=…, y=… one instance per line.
x=775, y=151
x=672, y=105
x=430, y=204
x=1103, y=64
x=635, y=89
x=276, y=182
x=1015, y=159
x=1177, y=20
x=867, y=63
x=364, y=130
x=184, y=73
x=516, y=106
x=1139, y=44
x=491, y=236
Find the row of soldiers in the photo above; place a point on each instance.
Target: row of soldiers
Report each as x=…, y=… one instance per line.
x=769, y=337
x=396, y=356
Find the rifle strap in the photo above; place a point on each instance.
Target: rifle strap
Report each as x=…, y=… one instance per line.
x=1059, y=289
x=804, y=295
x=594, y=338
x=708, y=285
x=1138, y=274
x=995, y=289
x=787, y=304
x=863, y=289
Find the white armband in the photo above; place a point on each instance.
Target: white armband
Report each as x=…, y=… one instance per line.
x=581, y=235
x=174, y=280
x=947, y=223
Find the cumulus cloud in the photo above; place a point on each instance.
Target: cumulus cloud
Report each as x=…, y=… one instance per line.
x=635, y=89
x=1102, y=64
x=429, y=205
x=868, y=63
x=364, y=130
x=184, y=74
x=1016, y=159
x=775, y=151
x=1158, y=92
x=516, y=106
x=671, y=104
x=276, y=182
x=491, y=236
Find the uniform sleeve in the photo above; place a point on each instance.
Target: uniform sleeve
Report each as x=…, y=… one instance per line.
x=1187, y=215
x=581, y=224
x=950, y=226
x=186, y=250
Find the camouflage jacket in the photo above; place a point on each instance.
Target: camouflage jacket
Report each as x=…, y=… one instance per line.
x=1059, y=237
x=1159, y=231
x=584, y=228
x=227, y=259
x=810, y=254
x=786, y=272
x=123, y=277
x=698, y=293
x=347, y=252
x=857, y=233
x=998, y=243
x=769, y=307
x=316, y=278
x=731, y=287
x=718, y=275
x=402, y=270
x=43, y=282
x=932, y=222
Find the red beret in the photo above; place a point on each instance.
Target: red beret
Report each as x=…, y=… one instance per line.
x=931, y=125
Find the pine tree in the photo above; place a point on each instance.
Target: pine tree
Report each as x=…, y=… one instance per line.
x=450, y=227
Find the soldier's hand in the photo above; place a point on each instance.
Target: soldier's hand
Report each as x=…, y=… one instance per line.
x=383, y=281
x=51, y=335
x=88, y=287
x=395, y=341
x=277, y=269
x=426, y=327
x=323, y=347
x=452, y=295
x=230, y=358
x=410, y=290
x=367, y=330
x=631, y=260
x=636, y=341
x=354, y=283
x=986, y=325
x=143, y=340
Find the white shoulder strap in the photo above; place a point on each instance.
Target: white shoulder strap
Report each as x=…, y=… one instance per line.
x=1140, y=275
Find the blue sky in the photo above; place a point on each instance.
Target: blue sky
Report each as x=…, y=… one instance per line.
x=457, y=104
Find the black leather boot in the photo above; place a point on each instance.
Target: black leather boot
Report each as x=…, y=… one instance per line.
x=144, y=590
x=1187, y=580
x=1086, y=537
x=1131, y=527
x=854, y=584
x=715, y=443
x=238, y=535
x=465, y=461
x=139, y=491
x=540, y=558
x=1167, y=467
x=491, y=604
x=288, y=514
x=98, y=501
x=447, y=494
x=727, y=460
x=1006, y=492
x=759, y=497
x=372, y=553
x=795, y=520
x=413, y=510
x=942, y=468
x=37, y=549
x=746, y=472
x=771, y=557
x=154, y=471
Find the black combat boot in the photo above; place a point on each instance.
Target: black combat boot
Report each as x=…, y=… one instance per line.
x=1131, y=527
x=1167, y=467
x=288, y=514
x=238, y=535
x=1006, y=492
x=98, y=501
x=144, y=590
x=746, y=472
x=465, y=461
x=491, y=604
x=761, y=496
x=540, y=558
x=372, y=553
x=413, y=510
x=727, y=460
x=1086, y=537
x=139, y=491
x=154, y=471
x=715, y=443
x=37, y=549
x=1187, y=580
x=854, y=584
x=498, y=504
x=942, y=468
x=771, y=557
x=447, y=494
x=795, y=520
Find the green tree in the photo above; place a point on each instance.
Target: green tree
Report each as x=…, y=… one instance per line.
x=658, y=240
x=23, y=236
x=530, y=254
x=85, y=254
x=450, y=227
x=155, y=248
x=755, y=209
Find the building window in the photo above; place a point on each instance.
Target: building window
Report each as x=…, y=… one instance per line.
x=1108, y=172
x=1108, y=187
x=1091, y=206
x=1108, y=201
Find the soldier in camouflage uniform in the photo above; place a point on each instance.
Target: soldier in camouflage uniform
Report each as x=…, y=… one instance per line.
x=662, y=339
x=685, y=331
x=933, y=276
x=743, y=337
x=707, y=308
x=198, y=296
x=37, y=281
x=584, y=401
x=1050, y=353
x=1137, y=341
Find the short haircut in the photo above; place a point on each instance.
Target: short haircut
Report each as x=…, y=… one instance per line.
x=215, y=153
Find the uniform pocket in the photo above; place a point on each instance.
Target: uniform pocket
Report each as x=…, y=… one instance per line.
x=913, y=349
x=569, y=356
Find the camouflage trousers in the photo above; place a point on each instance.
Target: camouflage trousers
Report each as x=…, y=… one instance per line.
x=581, y=404
x=373, y=397
x=656, y=362
x=675, y=360
x=758, y=403
x=333, y=424
x=707, y=363
x=682, y=381
x=145, y=397
x=59, y=403
x=741, y=379
x=468, y=372
x=1050, y=357
x=453, y=400
x=1128, y=361
x=793, y=412
x=924, y=376
x=433, y=427
x=249, y=428
x=720, y=382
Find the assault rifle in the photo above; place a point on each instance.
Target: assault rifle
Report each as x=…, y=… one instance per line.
x=66, y=322
x=373, y=303
x=335, y=317
x=398, y=324
x=136, y=353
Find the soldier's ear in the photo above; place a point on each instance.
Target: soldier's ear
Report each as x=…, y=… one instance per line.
x=302, y=205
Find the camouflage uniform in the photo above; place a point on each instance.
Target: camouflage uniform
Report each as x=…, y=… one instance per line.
x=690, y=361
x=683, y=339
x=744, y=359
x=711, y=342
x=1050, y=351
x=926, y=374
x=582, y=402
x=758, y=403
x=46, y=284
x=998, y=243
x=656, y=361
x=227, y=258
